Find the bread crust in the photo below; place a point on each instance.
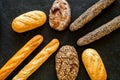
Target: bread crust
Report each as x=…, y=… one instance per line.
x=20, y=56
x=38, y=60
x=89, y=14
x=60, y=15
x=29, y=21
x=94, y=65
x=100, y=32
x=67, y=63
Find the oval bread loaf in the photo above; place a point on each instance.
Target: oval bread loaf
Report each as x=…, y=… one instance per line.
x=94, y=65
x=29, y=21
x=60, y=15
x=67, y=63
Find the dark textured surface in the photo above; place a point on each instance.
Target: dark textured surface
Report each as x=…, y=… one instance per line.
x=10, y=42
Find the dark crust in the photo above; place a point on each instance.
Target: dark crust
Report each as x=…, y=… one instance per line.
x=60, y=15
x=90, y=13
x=100, y=32
x=67, y=63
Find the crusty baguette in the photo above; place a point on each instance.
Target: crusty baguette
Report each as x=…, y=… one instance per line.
x=100, y=32
x=94, y=65
x=60, y=15
x=29, y=21
x=20, y=56
x=90, y=13
x=38, y=60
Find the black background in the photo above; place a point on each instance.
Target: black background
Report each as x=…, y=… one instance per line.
x=10, y=41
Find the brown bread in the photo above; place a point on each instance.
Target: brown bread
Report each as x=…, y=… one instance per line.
x=100, y=32
x=67, y=63
x=60, y=15
x=89, y=14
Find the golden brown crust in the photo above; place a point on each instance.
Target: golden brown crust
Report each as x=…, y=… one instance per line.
x=28, y=21
x=38, y=60
x=94, y=65
x=67, y=63
x=20, y=56
x=60, y=15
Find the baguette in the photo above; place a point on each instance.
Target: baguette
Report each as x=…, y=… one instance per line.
x=29, y=21
x=100, y=32
x=38, y=60
x=20, y=56
x=94, y=65
x=89, y=14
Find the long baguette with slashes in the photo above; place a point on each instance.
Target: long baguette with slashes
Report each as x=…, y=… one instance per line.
x=100, y=32
x=20, y=56
x=90, y=14
x=38, y=60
